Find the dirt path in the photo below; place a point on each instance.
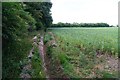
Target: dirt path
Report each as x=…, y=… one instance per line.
x=42, y=55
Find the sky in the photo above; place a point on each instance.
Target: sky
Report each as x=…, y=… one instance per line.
x=85, y=11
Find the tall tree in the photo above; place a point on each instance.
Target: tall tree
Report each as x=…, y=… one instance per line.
x=41, y=12
x=15, y=20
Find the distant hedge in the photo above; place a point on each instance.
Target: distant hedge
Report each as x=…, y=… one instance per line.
x=60, y=24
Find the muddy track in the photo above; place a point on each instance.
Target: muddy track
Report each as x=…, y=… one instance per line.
x=42, y=55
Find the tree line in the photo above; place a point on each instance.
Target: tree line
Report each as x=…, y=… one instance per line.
x=60, y=24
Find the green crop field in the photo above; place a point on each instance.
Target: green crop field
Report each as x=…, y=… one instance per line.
x=79, y=51
x=104, y=39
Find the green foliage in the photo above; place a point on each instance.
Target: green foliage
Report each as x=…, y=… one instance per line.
x=14, y=31
x=62, y=58
x=108, y=75
x=39, y=26
x=47, y=38
x=49, y=51
x=15, y=20
x=47, y=18
x=18, y=24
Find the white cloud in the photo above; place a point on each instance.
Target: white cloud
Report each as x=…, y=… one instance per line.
x=90, y=11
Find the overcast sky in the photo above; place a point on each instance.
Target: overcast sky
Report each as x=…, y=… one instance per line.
x=85, y=11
